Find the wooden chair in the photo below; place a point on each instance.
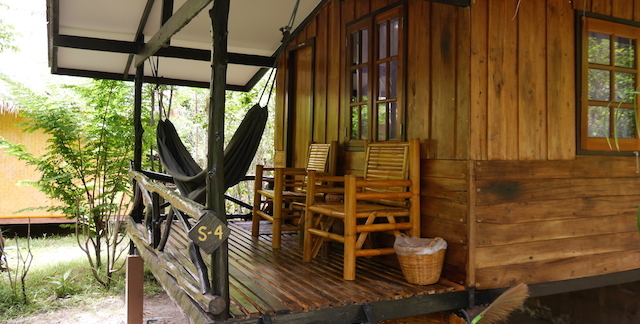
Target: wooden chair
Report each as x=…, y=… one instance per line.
x=387, y=199
x=285, y=202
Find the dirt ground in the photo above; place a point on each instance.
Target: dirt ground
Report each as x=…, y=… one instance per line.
x=110, y=310
x=157, y=310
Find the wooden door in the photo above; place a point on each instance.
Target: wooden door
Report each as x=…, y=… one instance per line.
x=300, y=104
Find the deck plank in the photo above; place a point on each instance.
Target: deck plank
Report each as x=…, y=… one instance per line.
x=271, y=281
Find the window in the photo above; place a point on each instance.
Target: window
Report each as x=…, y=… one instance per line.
x=610, y=87
x=375, y=77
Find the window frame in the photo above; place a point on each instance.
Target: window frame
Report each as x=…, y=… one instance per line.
x=603, y=145
x=370, y=22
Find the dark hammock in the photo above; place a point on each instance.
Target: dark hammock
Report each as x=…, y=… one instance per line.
x=189, y=177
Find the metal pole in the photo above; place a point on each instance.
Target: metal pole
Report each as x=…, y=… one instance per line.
x=215, y=181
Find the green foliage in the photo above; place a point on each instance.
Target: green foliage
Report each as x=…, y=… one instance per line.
x=7, y=34
x=62, y=286
x=59, y=277
x=86, y=161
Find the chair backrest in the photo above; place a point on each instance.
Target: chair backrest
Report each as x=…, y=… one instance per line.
x=391, y=161
x=322, y=158
x=318, y=157
x=387, y=161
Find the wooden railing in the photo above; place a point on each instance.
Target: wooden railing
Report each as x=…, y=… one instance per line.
x=156, y=197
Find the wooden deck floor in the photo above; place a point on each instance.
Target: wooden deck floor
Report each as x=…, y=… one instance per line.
x=264, y=281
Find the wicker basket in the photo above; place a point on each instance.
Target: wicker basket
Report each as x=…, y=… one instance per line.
x=422, y=269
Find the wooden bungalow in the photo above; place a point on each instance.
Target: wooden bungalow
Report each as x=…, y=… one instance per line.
x=501, y=95
x=526, y=115
x=14, y=197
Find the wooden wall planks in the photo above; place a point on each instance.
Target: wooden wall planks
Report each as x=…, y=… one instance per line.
x=540, y=221
x=444, y=204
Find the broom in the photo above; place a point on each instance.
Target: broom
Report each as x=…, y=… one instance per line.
x=503, y=306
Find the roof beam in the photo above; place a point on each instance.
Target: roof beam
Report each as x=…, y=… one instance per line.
x=180, y=19
x=139, y=36
x=109, y=45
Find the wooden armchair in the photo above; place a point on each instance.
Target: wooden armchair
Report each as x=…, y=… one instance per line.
x=387, y=199
x=288, y=191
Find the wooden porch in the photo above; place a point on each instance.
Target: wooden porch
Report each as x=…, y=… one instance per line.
x=271, y=284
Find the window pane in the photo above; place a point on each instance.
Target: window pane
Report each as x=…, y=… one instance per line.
x=625, y=54
x=365, y=84
x=599, y=48
x=393, y=39
x=599, y=85
x=355, y=85
x=355, y=122
x=625, y=86
x=598, y=121
x=393, y=79
x=382, y=40
x=365, y=46
x=382, y=122
x=364, y=127
x=382, y=81
x=355, y=48
x=625, y=123
x=393, y=121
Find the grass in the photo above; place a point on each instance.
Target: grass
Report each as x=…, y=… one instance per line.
x=59, y=277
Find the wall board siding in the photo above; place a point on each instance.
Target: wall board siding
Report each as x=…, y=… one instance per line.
x=581, y=167
x=503, y=234
x=522, y=81
x=556, y=209
x=495, y=192
x=444, y=192
x=15, y=197
x=560, y=269
x=557, y=249
x=444, y=208
x=479, y=80
x=542, y=221
x=532, y=85
x=560, y=81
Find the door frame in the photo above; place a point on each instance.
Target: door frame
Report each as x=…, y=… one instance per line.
x=289, y=115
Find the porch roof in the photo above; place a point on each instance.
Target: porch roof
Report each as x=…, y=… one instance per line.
x=98, y=39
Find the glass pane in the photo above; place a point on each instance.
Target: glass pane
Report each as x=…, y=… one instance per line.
x=355, y=122
x=365, y=84
x=599, y=48
x=393, y=121
x=364, y=127
x=625, y=52
x=393, y=79
x=599, y=85
x=355, y=85
x=382, y=122
x=625, y=123
x=382, y=81
x=355, y=48
x=382, y=40
x=598, y=121
x=365, y=46
x=393, y=39
x=625, y=86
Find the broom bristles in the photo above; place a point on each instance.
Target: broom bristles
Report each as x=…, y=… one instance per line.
x=500, y=309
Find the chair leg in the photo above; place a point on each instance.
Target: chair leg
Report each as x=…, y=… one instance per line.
x=307, y=242
x=349, y=257
x=255, y=218
x=276, y=230
x=257, y=202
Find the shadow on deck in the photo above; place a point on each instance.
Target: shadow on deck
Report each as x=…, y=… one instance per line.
x=275, y=286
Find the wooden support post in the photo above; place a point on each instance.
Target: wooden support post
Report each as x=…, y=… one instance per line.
x=349, y=272
x=134, y=289
x=215, y=159
x=137, y=122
